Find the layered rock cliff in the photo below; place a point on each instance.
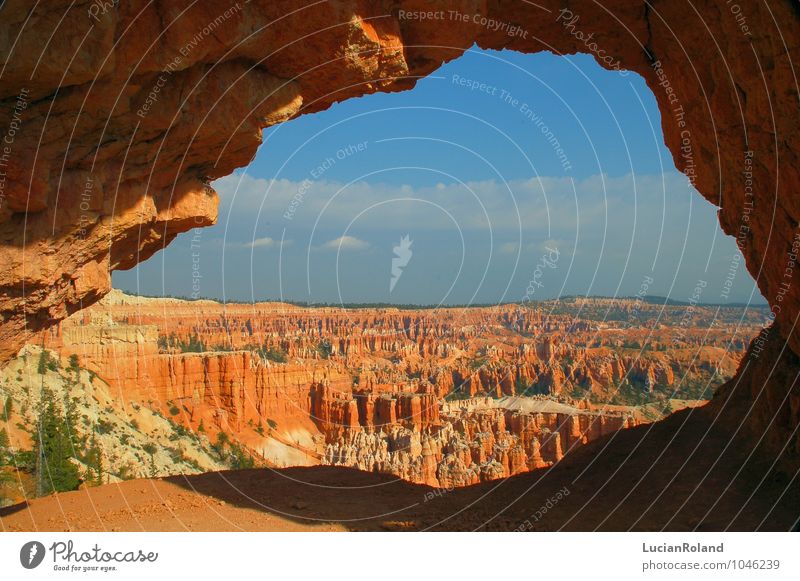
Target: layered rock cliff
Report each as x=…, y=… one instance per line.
x=444, y=397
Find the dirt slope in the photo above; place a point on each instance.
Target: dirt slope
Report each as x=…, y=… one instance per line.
x=639, y=483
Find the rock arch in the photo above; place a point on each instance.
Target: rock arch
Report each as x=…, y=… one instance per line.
x=118, y=115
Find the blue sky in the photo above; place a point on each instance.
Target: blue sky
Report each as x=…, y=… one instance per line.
x=511, y=175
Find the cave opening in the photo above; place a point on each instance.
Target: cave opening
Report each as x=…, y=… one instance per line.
x=508, y=240
x=505, y=251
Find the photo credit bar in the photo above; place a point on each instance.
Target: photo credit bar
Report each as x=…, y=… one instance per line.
x=199, y=555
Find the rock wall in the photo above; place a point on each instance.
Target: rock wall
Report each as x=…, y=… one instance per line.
x=131, y=441
x=472, y=444
x=118, y=115
x=431, y=396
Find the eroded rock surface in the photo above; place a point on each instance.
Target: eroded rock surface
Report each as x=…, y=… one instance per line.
x=447, y=397
x=118, y=115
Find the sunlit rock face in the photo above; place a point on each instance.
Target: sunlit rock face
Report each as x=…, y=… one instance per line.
x=118, y=115
x=446, y=397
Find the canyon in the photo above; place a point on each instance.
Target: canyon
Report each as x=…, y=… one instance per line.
x=445, y=397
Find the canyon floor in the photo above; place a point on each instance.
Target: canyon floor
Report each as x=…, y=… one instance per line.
x=687, y=472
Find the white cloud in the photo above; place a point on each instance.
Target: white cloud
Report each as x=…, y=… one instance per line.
x=555, y=206
x=262, y=243
x=655, y=217
x=509, y=248
x=346, y=243
x=265, y=242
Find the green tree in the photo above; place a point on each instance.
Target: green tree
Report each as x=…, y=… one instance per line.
x=275, y=354
x=5, y=458
x=5, y=448
x=325, y=349
x=239, y=459
x=71, y=419
x=8, y=408
x=44, y=359
x=232, y=453
x=219, y=446
x=94, y=463
x=54, y=449
x=195, y=345
x=151, y=449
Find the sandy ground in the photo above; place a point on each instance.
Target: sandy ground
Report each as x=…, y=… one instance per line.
x=684, y=473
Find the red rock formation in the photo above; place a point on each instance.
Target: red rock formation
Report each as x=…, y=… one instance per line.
x=256, y=372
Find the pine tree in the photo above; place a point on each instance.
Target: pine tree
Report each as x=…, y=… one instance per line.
x=8, y=407
x=5, y=451
x=71, y=419
x=5, y=458
x=43, y=360
x=94, y=463
x=151, y=449
x=53, y=447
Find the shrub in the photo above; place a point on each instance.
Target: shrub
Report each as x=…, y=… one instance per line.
x=325, y=349
x=25, y=459
x=457, y=394
x=180, y=431
x=476, y=364
x=195, y=345
x=125, y=472
x=275, y=354
x=219, y=446
x=520, y=388
x=163, y=343
x=239, y=459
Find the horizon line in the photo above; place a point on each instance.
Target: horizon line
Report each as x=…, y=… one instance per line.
x=646, y=299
